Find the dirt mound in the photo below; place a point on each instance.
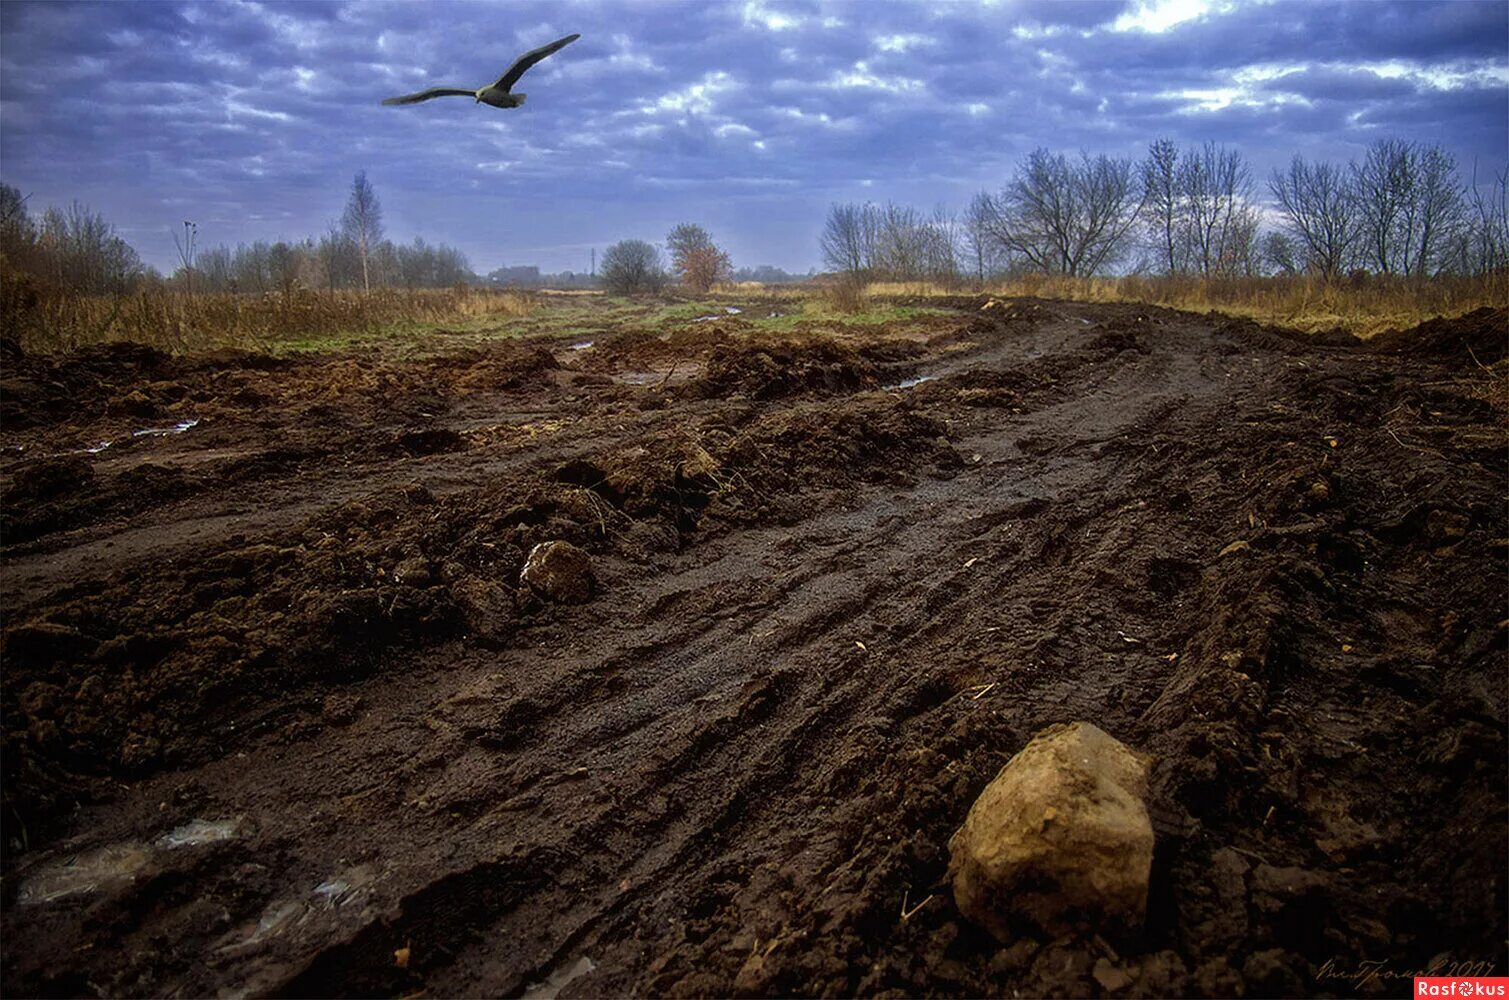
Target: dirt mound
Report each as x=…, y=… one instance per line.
x=1479, y=337
x=763, y=368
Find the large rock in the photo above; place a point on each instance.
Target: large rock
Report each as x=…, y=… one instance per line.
x=559, y=571
x=1060, y=839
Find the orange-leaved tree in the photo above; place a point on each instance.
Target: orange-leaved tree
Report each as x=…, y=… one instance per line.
x=696, y=258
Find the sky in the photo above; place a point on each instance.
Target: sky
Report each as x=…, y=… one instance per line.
x=749, y=118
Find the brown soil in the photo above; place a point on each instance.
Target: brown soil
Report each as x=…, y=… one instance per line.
x=278, y=718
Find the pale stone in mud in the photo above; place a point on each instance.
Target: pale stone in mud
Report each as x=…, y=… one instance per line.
x=559, y=571
x=1060, y=839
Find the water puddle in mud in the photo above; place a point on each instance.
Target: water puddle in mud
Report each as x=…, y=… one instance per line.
x=178, y=428
x=907, y=383
x=585, y=345
x=115, y=864
x=559, y=980
x=336, y=893
x=198, y=832
x=727, y=311
x=85, y=873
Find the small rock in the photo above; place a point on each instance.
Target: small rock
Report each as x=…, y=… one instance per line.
x=1235, y=547
x=488, y=607
x=1059, y=839
x=1111, y=977
x=560, y=572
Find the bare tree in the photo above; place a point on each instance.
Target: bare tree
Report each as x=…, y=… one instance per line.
x=632, y=266
x=84, y=253
x=18, y=235
x=849, y=237
x=1484, y=240
x=700, y=262
x=1383, y=183
x=1070, y=218
x=1162, y=208
x=1215, y=191
x=1278, y=254
x=362, y=222
x=1318, y=205
x=1436, y=211
x=978, y=247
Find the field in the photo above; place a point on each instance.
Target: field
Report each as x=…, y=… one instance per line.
x=279, y=717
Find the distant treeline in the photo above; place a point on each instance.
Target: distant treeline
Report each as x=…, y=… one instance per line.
x=530, y=276
x=1404, y=209
x=76, y=250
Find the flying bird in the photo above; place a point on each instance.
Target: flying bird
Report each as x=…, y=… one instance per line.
x=497, y=94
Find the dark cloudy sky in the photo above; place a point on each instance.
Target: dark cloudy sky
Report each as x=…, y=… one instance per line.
x=750, y=118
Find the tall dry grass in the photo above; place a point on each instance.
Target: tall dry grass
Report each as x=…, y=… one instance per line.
x=46, y=320
x=1362, y=304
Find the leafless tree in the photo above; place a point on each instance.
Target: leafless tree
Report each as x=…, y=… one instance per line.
x=1409, y=202
x=1162, y=207
x=978, y=247
x=18, y=235
x=1278, y=254
x=362, y=222
x=1319, y=209
x=632, y=266
x=1067, y=217
x=1435, y=211
x=849, y=237
x=1383, y=182
x=85, y=255
x=1483, y=240
x=1215, y=189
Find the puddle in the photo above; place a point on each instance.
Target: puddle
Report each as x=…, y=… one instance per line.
x=96, y=449
x=198, y=832
x=177, y=428
x=85, y=873
x=727, y=311
x=907, y=383
x=335, y=893
x=583, y=346
x=116, y=863
x=732, y=310
x=559, y=980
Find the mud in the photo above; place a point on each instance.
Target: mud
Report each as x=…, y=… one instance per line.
x=279, y=718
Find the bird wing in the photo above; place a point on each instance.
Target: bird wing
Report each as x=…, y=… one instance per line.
x=425, y=95
x=528, y=59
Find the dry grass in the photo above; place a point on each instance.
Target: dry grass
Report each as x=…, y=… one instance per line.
x=1362, y=305
x=44, y=320
x=844, y=296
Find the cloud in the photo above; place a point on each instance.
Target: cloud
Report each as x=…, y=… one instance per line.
x=750, y=117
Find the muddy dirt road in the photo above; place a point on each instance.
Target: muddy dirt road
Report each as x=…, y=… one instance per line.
x=279, y=719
